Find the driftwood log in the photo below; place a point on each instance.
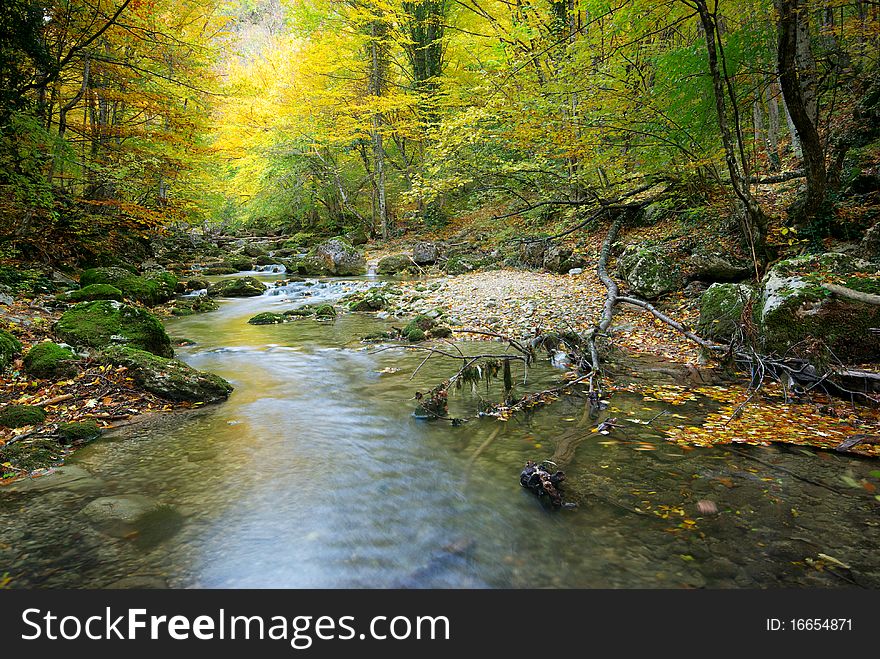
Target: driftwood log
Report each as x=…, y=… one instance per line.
x=538, y=479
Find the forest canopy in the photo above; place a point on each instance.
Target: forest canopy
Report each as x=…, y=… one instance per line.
x=120, y=117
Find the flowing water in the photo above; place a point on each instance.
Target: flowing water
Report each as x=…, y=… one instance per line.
x=316, y=474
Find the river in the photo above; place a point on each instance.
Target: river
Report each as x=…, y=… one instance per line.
x=316, y=474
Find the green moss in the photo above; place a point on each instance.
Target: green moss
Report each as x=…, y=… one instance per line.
x=237, y=263
x=78, y=432
x=93, y=292
x=31, y=454
x=192, y=305
x=169, y=378
x=439, y=332
x=302, y=311
x=457, y=265
x=105, y=322
x=393, y=264
x=9, y=347
x=325, y=311
x=239, y=287
x=16, y=416
x=151, y=289
x=721, y=308
x=414, y=335
x=268, y=318
x=220, y=270
x=47, y=360
x=420, y=322
x=372, y=301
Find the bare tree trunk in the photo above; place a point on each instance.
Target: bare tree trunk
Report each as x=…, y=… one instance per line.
x=798, y=87
x=771, y=96
x=377, y=67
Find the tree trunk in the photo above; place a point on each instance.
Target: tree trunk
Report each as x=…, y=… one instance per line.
x=377, y=68
x=772, y=125
x=798, y=88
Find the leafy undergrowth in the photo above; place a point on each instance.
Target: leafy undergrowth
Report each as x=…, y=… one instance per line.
x=97, y=392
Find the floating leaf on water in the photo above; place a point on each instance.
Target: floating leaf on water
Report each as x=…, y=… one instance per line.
x=852, y=482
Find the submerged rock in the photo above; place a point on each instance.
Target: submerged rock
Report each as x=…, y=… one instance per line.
x=169, y=378
x=649, y=271
x=106, y=322
x=239, y=287
x=68, y=477
x=119, y=516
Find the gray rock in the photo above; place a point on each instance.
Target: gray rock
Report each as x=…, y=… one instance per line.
x=869, y=248
x=335, y=257
x=649, y=271
x=394, y=263
x=721, y=308
x=118, y=516
x=576, y=271
x=716, y=266
x=6, y=299
x=561, y=259
x=425, y=253
x=532, y=253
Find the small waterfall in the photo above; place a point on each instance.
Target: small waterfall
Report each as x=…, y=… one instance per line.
x=312, y=291
x=276, y=268
x=199, y=293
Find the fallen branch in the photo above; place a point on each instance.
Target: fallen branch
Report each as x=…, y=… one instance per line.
x=858, y=296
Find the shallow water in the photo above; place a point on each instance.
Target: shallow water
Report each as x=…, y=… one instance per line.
x=316, y=474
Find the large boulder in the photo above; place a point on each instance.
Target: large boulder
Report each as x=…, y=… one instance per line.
x=390, y=265
x=869, y=248
x=561, y=259
x=718, y=266
x=425, y=253
x=103, y=323
x=152, y=288
x=357, y=236
x=93, y=292
x=532, y=253
x=335, y=257
x=796, y=311
x=721, y=307
x=649, y=271
x=169, y=378
x=238, y=287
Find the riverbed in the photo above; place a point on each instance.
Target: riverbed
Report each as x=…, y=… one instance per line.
x=315, y=473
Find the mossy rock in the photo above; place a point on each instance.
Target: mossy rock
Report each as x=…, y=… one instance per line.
x=649, y=271
x=254, y=250
x=103, y=323
x=370, y=301
x=31, y=454
x=189, y=306
x=18, y=416
x=265, y=259
x=721, y=307
x=239, y=287
x=336, y=257
x=415, y=330
x=150, y=289
x=268, y=318
x=78, y=432
x=439, y=332
x=9, y=347
x=391, y=265
x=302, y=312
x=93, y=292
x=49, y=360
x=325, y=311
x=238, y=263
x=169, y=378
x=299, y=241
x=795, y=311
x=457, y=265
x=219, y=270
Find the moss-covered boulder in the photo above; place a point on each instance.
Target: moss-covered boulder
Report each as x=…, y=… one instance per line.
x=78, y=432
x=416, y=329
x=103, y=323
x=219, y=270
x=188, y=306
x=169, y=378
x=458, y=265
x=49, y=360
x=357, y=236
x=254, y=250
x=269, y=318
x=18, y=416
x=239, y=287
x=325, y=311
x=371, y=300
x=721, y=307
x=649, y=271
x=9, y=347
x=93, y=292
x=336, y=257
x=238, y=263
x=154, y=287
x=394, y=263
x=795, y=311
